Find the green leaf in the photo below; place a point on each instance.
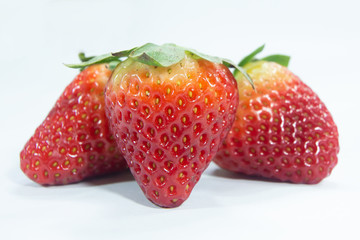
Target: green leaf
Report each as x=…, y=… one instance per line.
x=105, y=58
x=280, y=59
x=203, y=56
x=251, y=56
x=230, y=63
x=113, y=64
x=83, y=58
x=163, y=56
x=124, y=53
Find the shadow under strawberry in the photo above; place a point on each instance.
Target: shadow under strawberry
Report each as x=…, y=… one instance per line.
x=122, y=184
x=222, y=173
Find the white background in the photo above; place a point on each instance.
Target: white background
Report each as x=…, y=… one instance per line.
x=36, y=37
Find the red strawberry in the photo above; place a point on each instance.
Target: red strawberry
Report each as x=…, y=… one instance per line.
x=74, y=141
x=282, y=130
x=169, y=109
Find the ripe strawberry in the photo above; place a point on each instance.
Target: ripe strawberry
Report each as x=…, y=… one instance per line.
x=169, y=109
x=74, y=141
x=282, y=130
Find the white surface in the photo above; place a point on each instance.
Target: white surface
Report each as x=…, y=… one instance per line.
x=36, y=37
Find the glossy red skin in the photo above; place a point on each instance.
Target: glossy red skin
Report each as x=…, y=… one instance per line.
x=164, y=163
x=74, y=142
x=282, y=131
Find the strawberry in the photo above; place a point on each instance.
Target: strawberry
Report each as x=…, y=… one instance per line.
x=282, y=130
x=74, y=141
x=169, y=109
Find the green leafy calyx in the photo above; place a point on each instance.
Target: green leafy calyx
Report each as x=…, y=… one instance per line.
x=280, y=59
x=155, y=55
x=88, y=61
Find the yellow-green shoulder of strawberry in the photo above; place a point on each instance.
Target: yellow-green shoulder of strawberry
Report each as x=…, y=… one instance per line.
x=263, y=69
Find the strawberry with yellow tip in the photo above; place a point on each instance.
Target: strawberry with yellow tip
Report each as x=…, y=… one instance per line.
x=282, y=130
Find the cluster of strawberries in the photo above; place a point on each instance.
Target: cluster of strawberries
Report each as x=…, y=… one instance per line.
x=166, y=112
